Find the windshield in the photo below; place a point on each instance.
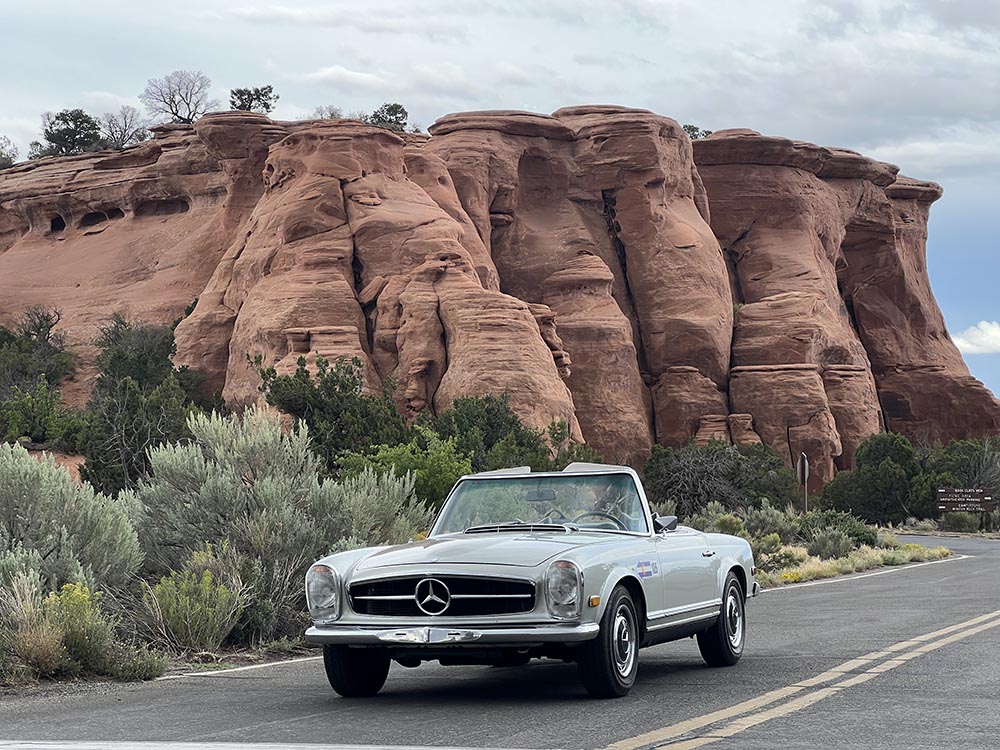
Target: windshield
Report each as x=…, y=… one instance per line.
x=599, y=502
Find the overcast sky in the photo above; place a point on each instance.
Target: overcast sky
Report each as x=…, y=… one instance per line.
x=915, y=82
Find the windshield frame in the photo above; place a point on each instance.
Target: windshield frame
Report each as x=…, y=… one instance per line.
x=494, y=475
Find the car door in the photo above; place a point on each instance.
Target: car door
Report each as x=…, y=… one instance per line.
x=688, y=575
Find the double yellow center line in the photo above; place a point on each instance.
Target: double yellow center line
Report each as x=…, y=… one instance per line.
x=787, y=700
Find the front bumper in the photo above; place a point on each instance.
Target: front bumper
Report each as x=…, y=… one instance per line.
x=356, y=635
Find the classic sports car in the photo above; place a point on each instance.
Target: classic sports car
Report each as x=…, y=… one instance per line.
x=569, y=565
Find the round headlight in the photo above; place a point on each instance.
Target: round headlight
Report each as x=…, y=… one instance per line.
x=564, y=589
x=323, y=593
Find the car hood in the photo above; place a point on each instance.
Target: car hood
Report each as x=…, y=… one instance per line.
x=516, y=549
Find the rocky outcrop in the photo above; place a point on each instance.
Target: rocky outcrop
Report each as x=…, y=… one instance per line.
x=826, y=250
x=593, y=264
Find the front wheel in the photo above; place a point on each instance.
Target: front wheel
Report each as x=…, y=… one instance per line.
x=608, y=663
x=355, y=672
x=722, y=644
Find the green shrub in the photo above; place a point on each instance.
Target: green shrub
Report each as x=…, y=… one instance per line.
x=878, y=490
x=87, y=635
x=924, y=488
x=727, y=523
x=135, y=350
x=186, y=612
x=767, y=520
x=139, y=401
x=769, y=555
x=887, y=446
x=829, y=543
x=30, y=639
x=858, y=531
x=739, y=478
x=478, y=424
x=135, y=662
x=90, y=639
x=887, y=540
x=63, y=530
x=704, y=520
x=37, y=414
x=370, y=509
x=341, y=417
x=123, y=421
x=254, y=494
x=33, y=350
x=924, y=524
x=434, y=463
x=64, y=634
x=968, y=523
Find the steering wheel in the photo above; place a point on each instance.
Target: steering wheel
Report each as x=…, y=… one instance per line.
x=602, y=514
x=549, y=514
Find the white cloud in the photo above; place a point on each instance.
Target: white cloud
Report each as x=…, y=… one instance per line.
x=99, y=102
x=951, y=155
x=338, y=75
x=982, y=338
x=405, y=18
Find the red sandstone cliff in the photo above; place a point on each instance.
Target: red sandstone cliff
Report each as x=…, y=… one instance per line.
x=592, y=263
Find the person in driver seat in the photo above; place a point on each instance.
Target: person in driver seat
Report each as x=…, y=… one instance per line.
x=616, y=496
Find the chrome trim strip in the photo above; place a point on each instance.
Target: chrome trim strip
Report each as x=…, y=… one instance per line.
x=492, y=596
x=387, y=598
x=378, y=574
x=401, y=598
x=431, y=636
x=685, y=621
x=660, y=614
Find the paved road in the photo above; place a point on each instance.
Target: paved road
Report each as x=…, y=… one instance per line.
x=908, y=658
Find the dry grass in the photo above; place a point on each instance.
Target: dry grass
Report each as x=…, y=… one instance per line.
x=861, y=559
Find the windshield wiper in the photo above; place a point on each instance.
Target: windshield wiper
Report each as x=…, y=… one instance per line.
x=518, y=525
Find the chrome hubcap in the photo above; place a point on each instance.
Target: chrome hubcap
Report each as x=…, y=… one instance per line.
x=734, y=619
x=624, y=645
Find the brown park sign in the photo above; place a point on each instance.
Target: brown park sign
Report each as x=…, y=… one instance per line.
x=964, y=501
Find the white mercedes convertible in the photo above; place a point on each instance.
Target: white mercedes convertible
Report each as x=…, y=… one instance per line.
x=567, y=565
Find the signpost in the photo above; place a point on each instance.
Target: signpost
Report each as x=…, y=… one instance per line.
x=951, y=500
x=802, y=469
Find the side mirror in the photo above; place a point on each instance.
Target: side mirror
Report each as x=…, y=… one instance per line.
x=664, y=523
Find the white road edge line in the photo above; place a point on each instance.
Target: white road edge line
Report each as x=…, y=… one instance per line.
x=846, y=579
x=158, y=745
x=214, y=672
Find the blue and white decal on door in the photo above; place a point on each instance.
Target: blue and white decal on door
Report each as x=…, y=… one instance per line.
x=647, y=568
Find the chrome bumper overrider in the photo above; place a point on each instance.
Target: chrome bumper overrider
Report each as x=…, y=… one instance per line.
x=434, y=636
x=756, y=589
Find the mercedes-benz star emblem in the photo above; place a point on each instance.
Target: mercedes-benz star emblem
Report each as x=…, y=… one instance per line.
x=432, y=596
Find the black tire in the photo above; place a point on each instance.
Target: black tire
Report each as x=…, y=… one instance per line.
x=608, y=664
x=722, y=644
x=355, y=672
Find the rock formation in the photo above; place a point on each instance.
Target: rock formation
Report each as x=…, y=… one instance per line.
x=593, y=264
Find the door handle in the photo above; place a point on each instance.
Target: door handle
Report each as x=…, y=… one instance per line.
x=707, y=553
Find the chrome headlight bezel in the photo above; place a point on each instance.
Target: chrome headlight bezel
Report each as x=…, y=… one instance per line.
x=563, y=584
x=323, y=593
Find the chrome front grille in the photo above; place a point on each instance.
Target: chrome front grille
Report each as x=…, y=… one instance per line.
x=444, y=595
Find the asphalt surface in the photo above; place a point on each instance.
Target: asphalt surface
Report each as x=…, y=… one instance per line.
x=940, y=690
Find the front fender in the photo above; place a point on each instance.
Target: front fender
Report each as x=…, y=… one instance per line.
x=614, y=577
x=743, y=563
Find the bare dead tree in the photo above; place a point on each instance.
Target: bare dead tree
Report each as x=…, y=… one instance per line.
x=124, y=128
x=183, y=96
x=327, y=112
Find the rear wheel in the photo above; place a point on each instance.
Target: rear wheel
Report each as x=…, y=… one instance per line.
x=608, y=663
x=722, y=644
x=355, y=672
